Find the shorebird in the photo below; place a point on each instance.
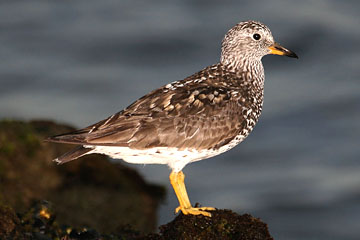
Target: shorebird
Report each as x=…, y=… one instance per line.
x=185, y=121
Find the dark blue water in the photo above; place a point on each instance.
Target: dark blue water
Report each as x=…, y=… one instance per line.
x=80, y=61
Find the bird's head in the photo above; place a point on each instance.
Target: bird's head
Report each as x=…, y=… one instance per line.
x=250, y=40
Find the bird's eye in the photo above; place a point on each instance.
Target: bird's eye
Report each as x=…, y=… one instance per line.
x=256, y=36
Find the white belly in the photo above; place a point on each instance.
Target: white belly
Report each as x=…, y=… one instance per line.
x=175, y=158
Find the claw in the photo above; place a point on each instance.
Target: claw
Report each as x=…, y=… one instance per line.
x=177, y=181
x=195, y=210
x=177, y=209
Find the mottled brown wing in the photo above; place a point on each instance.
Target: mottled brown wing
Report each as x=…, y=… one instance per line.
x=200, y=116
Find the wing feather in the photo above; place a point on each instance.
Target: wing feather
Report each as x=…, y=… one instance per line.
x=199, y=115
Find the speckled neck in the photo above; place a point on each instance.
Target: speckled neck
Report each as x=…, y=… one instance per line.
x=250, y=67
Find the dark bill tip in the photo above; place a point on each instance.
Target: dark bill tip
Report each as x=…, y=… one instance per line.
x=291, y=54
x=277, y=49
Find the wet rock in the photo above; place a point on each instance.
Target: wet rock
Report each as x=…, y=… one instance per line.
x=90, y=192
x=224, y=224
x=39, y=223
x=10, y=225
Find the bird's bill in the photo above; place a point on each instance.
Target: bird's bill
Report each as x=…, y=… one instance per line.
x=277, y=49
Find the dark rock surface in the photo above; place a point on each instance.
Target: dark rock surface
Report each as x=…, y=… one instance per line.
x=10, y=224
x=224, y=224
x=91, y=191
x=39, y=223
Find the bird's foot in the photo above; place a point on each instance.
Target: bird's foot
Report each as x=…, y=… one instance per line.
x=195, y=210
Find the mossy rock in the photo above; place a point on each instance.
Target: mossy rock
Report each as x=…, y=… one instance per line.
x=40, y=223
x=10, y=224
x=223, y=224
x=92, y=191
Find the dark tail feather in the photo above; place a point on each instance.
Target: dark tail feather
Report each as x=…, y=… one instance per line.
x=72, y=155
x=76, y=138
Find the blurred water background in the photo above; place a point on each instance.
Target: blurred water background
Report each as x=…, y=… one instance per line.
x=78, y=62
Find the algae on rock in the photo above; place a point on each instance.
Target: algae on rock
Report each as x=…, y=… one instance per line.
x=92, y=191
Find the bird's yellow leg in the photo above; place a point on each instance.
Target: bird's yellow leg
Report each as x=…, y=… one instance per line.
x=177, y=182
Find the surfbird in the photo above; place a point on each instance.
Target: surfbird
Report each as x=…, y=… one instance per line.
x=185, y=121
